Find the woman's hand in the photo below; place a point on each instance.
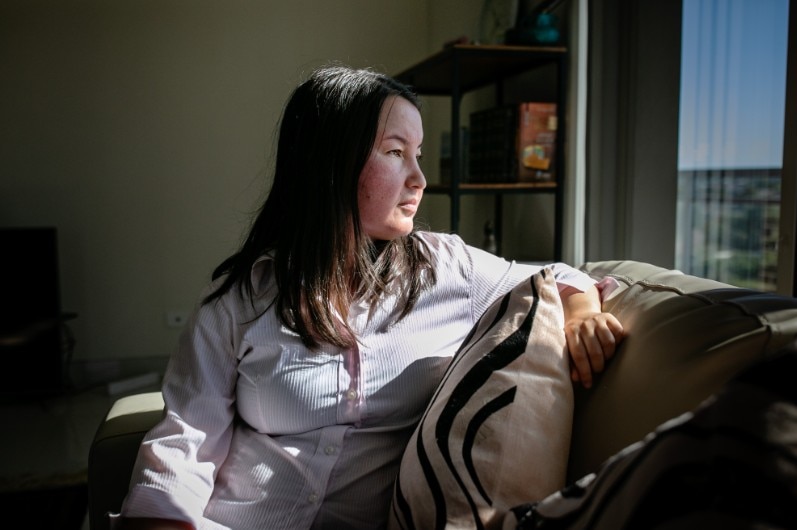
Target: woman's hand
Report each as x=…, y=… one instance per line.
x=592, y=335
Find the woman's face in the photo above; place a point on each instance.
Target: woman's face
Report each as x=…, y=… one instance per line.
x=391, y=183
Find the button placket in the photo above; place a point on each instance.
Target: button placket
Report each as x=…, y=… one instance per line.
x=351, y=396
x=326, y=455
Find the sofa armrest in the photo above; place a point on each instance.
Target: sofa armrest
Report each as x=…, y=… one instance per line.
x=113, y=452
x=686, y=337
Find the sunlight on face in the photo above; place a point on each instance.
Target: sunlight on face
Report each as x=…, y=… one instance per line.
x=391, y=183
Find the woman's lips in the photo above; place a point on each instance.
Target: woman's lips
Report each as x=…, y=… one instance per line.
x=410, y=206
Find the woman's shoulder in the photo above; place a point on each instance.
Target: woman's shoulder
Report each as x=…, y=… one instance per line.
x=243, y=296
x=448, y=253
x=442, y=243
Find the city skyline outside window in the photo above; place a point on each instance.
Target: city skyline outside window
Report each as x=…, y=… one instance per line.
x=730, y=149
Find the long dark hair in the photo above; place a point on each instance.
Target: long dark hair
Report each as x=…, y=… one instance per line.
x=310, y=220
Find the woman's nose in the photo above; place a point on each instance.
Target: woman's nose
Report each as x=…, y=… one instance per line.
x=417, y=179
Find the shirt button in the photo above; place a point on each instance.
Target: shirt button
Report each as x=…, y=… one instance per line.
x=312, y=498
x=330, y=449
x=351, y=395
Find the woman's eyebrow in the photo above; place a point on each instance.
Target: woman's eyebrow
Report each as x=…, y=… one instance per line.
x=399, y=137
x=395, y=136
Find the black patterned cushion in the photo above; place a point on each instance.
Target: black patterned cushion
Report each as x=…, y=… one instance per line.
x=497, y=431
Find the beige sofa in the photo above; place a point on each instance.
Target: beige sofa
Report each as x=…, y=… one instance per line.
x=687, y=336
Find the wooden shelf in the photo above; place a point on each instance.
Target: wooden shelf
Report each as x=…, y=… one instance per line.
x=475, y=66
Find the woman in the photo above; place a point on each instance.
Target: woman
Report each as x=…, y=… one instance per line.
x=320, y=342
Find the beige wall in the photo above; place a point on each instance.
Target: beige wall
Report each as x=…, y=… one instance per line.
x=142, y=130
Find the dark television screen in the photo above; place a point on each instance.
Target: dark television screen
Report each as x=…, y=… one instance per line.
x=29, y=275
x=31, y=332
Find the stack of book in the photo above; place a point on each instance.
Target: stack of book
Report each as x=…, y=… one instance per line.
x=512, y=143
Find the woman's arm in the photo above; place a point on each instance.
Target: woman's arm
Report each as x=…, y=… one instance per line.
x=173, y=476
x=592, y=335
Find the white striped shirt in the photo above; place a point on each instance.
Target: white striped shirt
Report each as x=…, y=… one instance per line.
x=259, y=432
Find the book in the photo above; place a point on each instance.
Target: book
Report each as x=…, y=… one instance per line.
x=536, y=142
x=492, y=148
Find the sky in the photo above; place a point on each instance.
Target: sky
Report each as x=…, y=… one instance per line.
x=733, y=83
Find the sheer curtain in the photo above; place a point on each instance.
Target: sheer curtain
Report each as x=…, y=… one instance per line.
x=730, y=148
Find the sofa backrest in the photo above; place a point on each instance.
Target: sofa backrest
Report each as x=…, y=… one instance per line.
x=686, y=337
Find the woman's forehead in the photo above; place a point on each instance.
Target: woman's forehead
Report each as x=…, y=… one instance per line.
x=400, y=118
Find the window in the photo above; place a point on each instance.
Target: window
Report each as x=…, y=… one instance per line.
x=636, y=138
x=731, y=136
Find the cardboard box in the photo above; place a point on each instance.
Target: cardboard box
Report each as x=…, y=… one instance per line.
x=536, y=147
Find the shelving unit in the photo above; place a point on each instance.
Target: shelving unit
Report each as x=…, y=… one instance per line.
x=459, y=69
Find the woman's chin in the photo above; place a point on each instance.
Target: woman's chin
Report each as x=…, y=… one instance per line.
x=391, y=234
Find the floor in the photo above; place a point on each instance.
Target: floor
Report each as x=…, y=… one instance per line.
x=46, y=440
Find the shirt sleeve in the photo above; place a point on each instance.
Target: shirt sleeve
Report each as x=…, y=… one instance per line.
x=494, y=276
x=178, y=459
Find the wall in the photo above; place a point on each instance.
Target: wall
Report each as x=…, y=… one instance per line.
x=142, y=130
x=633, y=150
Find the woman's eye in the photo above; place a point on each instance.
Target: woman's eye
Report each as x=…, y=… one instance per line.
x=395, y=152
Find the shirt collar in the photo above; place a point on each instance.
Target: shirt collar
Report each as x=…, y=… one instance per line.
x=261, y=272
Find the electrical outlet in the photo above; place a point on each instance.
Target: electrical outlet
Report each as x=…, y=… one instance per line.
x=176, y=318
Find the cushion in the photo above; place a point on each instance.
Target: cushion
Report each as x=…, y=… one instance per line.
x=730, y=463
x=497, y=431
x=686, y=337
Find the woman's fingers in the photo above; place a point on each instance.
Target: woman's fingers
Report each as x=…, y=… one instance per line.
x=592, y=341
